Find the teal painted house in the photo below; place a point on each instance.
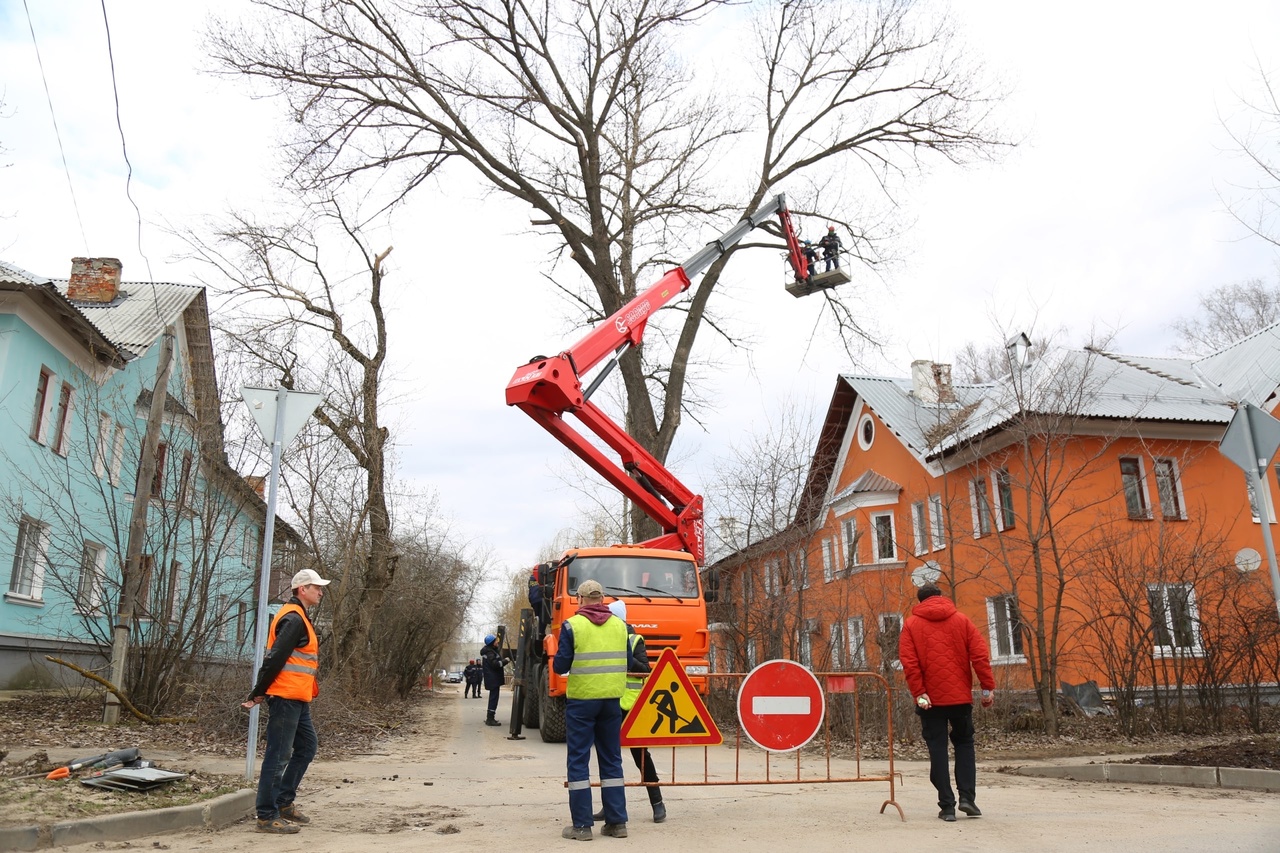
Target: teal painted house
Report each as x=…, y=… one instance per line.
x=78, y=366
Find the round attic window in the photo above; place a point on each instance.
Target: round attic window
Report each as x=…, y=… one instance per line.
x=866, y=432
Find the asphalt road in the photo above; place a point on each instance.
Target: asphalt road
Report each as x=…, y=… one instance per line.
x=452, y=783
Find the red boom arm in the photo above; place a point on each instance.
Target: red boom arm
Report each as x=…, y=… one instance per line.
x=548, y=388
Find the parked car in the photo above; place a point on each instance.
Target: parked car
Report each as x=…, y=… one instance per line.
x=454, y=677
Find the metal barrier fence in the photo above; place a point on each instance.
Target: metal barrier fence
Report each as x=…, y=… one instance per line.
x=811, y=765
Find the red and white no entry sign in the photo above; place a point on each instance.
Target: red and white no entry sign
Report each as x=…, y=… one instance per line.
x=780, y=705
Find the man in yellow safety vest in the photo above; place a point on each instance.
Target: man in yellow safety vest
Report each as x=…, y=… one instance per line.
x=592, y=651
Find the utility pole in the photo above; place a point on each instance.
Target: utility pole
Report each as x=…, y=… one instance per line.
x=131, y=580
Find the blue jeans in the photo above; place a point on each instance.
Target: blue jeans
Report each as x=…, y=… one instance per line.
x=291, y=744
x=933, y=726
x=599, y=722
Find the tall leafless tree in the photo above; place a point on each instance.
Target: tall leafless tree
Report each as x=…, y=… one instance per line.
x=305, y=324
x=1256, y=133
x=591, y=113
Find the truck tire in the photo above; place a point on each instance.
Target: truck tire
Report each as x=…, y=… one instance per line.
x=551, y=712
x=532, y=699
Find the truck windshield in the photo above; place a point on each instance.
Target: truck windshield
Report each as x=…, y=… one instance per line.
x=646, y=577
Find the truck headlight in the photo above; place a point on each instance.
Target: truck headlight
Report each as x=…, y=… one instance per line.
x=696, y=670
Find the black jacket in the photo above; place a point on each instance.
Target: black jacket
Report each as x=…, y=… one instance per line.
x=491, y=660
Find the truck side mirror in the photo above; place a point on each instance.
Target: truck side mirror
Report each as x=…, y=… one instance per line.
x=711, y=585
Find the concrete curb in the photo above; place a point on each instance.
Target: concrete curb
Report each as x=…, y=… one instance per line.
x=1161, y=774
x=128, y=826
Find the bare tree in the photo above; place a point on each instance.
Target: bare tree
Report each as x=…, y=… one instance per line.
x=1256, y=133
x=297, y=297
x=1227, y=314
x=584, y=111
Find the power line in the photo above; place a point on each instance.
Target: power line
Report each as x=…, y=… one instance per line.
x=53, y=116
x=124, y=150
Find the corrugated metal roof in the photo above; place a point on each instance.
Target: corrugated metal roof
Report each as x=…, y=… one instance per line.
x=1087, y=383
x=137, y=317
x=1247, y=371
x=870, y=481
x=17, y=275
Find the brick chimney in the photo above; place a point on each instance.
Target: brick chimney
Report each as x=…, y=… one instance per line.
x=258, y=484
x=94, y=280
x=931, y=382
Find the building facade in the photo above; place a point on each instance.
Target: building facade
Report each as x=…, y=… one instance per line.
x=1078, y=509
x=78, y=369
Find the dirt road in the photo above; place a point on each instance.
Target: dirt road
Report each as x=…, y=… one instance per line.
x=454, y=784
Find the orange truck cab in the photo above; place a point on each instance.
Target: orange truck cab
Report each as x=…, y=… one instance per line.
x=665, y=605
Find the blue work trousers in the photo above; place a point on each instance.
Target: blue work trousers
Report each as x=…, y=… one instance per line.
x=599, y=722
x=291, y=744
x=933, y=726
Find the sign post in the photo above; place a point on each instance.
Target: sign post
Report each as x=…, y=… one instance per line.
x=1251, y=440
x=279, y=414
x=780, y=705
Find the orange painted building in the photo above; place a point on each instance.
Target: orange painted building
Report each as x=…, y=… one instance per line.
x=1078, y=509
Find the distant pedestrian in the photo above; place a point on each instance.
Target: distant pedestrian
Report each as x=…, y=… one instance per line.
x=471, y=677
x=940, y=650
x=593, y=653
x=494, y=675
x=287, y=682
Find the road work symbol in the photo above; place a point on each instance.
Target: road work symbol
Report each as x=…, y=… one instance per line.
x=669, y=711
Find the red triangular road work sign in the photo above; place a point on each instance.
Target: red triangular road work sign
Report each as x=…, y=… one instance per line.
x=669, y=711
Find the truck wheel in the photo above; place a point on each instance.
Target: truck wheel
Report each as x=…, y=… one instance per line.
x=532, y=699
x=551, y=712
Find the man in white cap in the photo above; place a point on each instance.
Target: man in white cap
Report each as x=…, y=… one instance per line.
x=287, y=682
x=593, y=652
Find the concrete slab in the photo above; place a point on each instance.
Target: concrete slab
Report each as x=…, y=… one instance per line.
x=1245, y=777
x=128, y=826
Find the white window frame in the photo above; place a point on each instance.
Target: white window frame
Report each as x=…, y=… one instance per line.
x=999, y=507
x=937, y=530
x=1141, y=491
x=876, y=538
x=62, y=427
x=850, y=528
x=222, y=613
x=862, y=421
x=919, y=528
x=93, y=573
x=1000, y=627
x=772, y=576
x=247, y=550
x=753, y=655
x=44, y=405
x=117, y=455
x=798, y=563
x=103, y=445
x=30, y=559
x=828, y=560
x=1173, y=488
x=856, y=637
x=835, y=643
x=1196, y=649
x=980, y=508
x=896, y=618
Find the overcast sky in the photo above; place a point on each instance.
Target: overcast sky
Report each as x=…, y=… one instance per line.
x=1107, y=216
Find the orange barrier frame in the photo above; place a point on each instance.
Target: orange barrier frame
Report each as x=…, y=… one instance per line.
x=832, y=683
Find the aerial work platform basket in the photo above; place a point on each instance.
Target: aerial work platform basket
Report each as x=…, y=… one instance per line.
x=818, y=281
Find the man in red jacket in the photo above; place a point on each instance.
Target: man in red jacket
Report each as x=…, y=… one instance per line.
x=940, y=649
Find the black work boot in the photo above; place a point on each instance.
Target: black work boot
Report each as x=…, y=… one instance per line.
x=490, y=721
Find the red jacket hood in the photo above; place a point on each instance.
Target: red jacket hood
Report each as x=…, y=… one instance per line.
x=936, y=608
